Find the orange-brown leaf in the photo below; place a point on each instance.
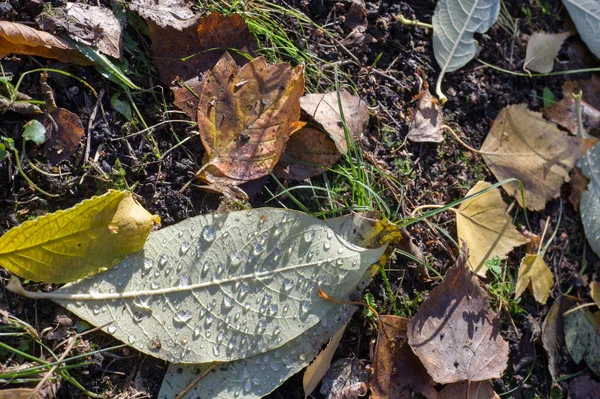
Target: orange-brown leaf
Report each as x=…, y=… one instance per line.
x=246, y=117
x=64, y=133
x=21, y=39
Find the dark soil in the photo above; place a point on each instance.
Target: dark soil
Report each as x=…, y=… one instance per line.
x=430, y=174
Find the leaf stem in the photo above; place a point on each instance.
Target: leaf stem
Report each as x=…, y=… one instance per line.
x=404, y=21
x=24, y=175
x=455, y=137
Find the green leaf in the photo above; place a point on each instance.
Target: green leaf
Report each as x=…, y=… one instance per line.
x=222, y=287
x=454, y=22
x=3, y=152
x=258, y=375
x=34, y=131
x=121, y=107
x=70, y=244
x=583, y=339
x=586, y=16
x=590, y=199
x=548, y=97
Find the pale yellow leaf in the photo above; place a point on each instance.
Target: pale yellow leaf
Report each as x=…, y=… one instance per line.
x=535, y=273
x=71, y=244
x=542, y=48
x=595, y=292
x=483, y=223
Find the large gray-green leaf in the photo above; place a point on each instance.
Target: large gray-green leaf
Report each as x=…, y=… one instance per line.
x=590, y=199
x=258, y=375
x=222, y=287
x=586, y=15
x=454, y=22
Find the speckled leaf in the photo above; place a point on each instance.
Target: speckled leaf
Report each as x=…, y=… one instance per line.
x=70, y=244
x=258, y=375
x=586, y=15
x=590, y=200
x=222, y=287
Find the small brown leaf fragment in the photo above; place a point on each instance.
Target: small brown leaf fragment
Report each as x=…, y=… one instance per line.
x=524, y=145
x=315, y=371
x=21, y=39
x=564, y=113
x=477, y=390
x=186, y=97
x=245, y=128
x=324, y=111
x=64, y=133
x=346, y=379
x=398, y=372
x=579, y=184
x=454, y=332
x=91, y=25
x=308, y=153
x=552, y=333
x=483, y=223
x=176, y=14
x=205, y=42
x=426, y=121
x=534, y=273
x=542, y=48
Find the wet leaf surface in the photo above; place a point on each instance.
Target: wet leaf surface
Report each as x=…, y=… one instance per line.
x=454, y=332
x=246, y=117
x=398, y=373
x=483, y=223
x=590, y=199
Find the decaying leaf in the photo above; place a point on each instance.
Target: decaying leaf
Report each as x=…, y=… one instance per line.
x=308, y=153
x=92, y=25
x=553, y=333
x=64, y=132
x=454, y=332
x=20, y=393
x=579, y=184
x=564, y=113
x=198, y=47
x=595, y=292
x=398, y=373
x=426, y=121
x=186, y=95
x=346, y=379
x=175, y=14
x=483, y=223
x=324, y=111
x=524, y=145
x=74, y=243
x=256, y=376
x=534, y=273
x=246, y=117
x=221, y=287
x=590, y=199
x=21, y=39
x=582, y=336
x=477, y=390
x=542, y=48
x=315, y=371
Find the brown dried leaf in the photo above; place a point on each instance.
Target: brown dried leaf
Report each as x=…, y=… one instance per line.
x=91, y=25
x=534, y=273
x=553, y=335
x=563, y=112
x=542, y=48
x=176, y=14
x=524, y=145
x=63, y=135
x=186, y=97
x=477, y=390
x=20, y=393
x=398, y=372
x=346, y=379
x=324, y=111
x=483, y=223
x=579, y=184
x=308, y=153
x=426, y=121
x=246, y=117
x=205, y=42
x=21, y=39
x=454, y=332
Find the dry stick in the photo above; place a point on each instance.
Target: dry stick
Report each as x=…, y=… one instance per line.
x=88, y=143
x=196, y=380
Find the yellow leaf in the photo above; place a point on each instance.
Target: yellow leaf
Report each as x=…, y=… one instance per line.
x=534, y=271
x=71, y=244
x=524, y=145
x=483, y=223
x=595, y=292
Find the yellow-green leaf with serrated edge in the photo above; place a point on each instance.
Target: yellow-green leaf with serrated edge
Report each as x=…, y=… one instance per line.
x=483, y=223
x=534, y=271
x=71, y=244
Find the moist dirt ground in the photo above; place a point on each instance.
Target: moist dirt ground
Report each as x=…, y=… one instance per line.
x=390, y=60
